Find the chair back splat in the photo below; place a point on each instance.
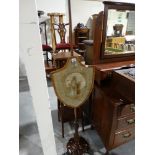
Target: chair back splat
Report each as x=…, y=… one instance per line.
x=61, y=28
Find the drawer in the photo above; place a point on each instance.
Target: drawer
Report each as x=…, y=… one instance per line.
x=123, y=136
x=125, y=122
x=126, y=109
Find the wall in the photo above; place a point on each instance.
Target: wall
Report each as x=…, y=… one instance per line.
x=82, y=10
x=31, y=50
x=22, y=71
x=51, y=5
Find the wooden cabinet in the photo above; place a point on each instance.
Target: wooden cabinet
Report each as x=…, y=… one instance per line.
x=114, y=110
x=80, y=35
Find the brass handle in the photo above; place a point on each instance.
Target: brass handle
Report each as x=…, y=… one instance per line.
x=131, y=121
x=126, y=135
x=132, y=108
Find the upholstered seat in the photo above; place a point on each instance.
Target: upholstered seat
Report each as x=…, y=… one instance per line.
x=60, y=46
x=46, y=47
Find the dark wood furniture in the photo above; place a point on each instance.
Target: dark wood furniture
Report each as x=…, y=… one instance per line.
x=113, y=100
x=80, y=35
x=94, y=17
x=93, y=47
x=61, y=58
x=113, y=107
x=47, y=49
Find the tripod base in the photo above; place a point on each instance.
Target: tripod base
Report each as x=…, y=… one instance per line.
x=77, y=148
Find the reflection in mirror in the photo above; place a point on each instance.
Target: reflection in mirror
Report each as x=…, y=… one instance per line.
x=120, y=35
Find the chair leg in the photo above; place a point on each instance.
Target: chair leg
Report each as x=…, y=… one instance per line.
x=47, y=58
x=82, y=121
x=107, y=153
x=62, y=120
x=82, y=125
x=58, y=103
x=62, y=124
x=52, y=61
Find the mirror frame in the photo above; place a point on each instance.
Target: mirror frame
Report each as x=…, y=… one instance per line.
x=118, y=6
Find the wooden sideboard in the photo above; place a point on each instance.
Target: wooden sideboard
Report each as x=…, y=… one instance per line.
x=113, y=114
x=114, y=93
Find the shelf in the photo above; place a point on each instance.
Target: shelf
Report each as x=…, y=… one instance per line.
x=82, y=37
x=81, y=43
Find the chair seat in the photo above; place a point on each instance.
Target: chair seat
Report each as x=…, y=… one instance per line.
x=64, y=46
x=46, y=47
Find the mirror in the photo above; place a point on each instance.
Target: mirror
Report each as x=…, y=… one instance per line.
x=118, y=38
x=120, y=34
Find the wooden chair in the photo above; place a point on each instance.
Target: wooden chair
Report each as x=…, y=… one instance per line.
x=47, y=50
x=45, y=47
x=60, y=29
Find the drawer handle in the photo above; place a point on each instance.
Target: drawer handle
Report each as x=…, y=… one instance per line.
x=131, y=121
x=126, y=135
x=132, y=108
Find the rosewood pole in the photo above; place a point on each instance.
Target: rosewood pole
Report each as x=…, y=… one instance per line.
x=70, y=27
x=76, y=145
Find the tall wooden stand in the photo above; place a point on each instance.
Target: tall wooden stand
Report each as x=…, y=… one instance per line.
x=77, y=145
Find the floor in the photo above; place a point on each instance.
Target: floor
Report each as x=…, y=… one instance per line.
x=29, y=140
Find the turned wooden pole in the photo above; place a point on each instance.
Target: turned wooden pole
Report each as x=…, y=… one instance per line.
x=76, y=125
x=70, y=27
